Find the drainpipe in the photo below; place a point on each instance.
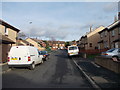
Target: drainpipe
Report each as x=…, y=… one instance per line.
x=109, y=39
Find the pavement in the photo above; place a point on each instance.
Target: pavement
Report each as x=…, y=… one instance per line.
x=4, y=68
x=103, y=77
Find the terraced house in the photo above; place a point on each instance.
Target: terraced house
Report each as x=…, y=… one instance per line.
x=89, y=41
x=8, y=38
x=21, y=42
x=36, y=43
x=110, y=36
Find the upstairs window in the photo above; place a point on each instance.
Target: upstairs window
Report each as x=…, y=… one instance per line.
x=113, y=33
x=105, y=33
x=6, y=31
x=101, y=35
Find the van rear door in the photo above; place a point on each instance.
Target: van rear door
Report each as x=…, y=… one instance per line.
x=18, y=55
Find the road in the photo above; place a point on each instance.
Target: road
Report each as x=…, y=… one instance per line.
x=57, y=72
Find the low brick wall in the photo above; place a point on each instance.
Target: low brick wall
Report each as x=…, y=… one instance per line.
x=108, y=63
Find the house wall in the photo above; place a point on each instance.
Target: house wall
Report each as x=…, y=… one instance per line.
x=32, y=42
x=5, y=51
x=11, y=34
x=105, y=38
x=0, y=53
x=2, y=28
x=115, y=37
x=93, y=37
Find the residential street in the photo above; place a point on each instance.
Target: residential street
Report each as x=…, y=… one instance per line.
x=57, y=72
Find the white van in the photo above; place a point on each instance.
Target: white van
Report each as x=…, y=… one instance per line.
x=24, y=56
x=73, y=50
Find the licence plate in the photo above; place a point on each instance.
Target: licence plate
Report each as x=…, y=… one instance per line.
x=14, y=58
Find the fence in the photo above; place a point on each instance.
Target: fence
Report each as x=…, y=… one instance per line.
x=93, y=51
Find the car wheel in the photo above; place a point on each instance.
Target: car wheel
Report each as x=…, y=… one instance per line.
x=32, y=67
x=115, y=58
x=46, y=58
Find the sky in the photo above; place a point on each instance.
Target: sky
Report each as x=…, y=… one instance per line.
x=64, y=21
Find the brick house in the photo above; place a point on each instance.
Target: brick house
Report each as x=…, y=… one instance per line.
x=36, y=43
x=56, y=44
x=23, y=43
x=8, y=35
x=92, y=38
x=114, y=34
x=110, y=36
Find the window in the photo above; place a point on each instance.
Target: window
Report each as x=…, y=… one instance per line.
x=113, y=33
x=105, y=44
x=105, y=33
x=6, y=31
x=90, y=44
x=111, y=50
x=116, y=45
x=101, y=35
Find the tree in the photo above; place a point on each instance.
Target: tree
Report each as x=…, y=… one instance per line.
x=67, y=44
x=21, y=35
x=47, y=45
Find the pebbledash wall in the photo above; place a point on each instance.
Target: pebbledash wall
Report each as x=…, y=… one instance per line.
x=108, y=63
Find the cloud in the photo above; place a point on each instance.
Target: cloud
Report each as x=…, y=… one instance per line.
x=60, y=32
x=111, y=7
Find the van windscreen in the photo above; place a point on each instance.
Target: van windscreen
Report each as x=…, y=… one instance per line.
x=72, y=48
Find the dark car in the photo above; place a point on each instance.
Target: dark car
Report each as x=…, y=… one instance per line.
x=45, y=55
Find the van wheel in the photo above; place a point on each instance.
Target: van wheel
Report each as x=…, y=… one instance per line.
x=12, y=68
x=32, y=67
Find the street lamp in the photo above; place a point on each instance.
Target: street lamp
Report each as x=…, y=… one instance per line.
x=29, y=32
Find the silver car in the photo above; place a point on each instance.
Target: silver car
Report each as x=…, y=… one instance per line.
x=112, y=53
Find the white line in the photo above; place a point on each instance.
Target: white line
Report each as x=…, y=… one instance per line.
x=88, y=78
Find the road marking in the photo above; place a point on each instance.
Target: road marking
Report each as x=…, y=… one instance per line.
x=88, y=78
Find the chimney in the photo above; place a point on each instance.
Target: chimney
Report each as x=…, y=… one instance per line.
x=115, y=18
x=91, y=28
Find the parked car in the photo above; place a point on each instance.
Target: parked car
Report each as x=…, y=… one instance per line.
x=73, y=50
x=45, y=55
x=112, y=53
x=24, y=56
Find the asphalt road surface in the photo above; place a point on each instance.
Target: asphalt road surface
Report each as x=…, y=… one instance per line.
x=57, y=72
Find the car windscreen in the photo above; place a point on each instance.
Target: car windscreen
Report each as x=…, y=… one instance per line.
x=72, y=48
x=43, y=52
x=111, y=50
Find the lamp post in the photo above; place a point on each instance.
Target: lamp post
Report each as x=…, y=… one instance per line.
x=29, y=32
